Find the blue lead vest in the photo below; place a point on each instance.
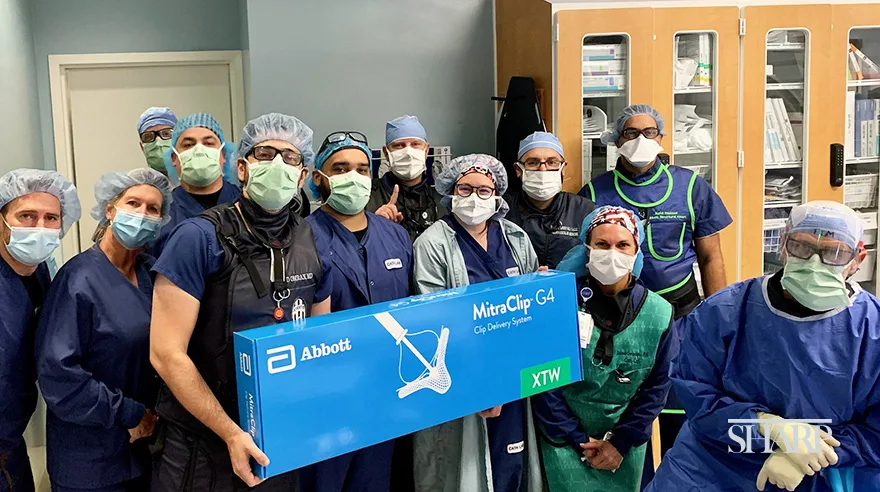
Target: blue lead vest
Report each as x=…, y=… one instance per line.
x=664, y=201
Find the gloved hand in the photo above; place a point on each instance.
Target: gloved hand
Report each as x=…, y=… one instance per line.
x=797, y=440
x=781, y=471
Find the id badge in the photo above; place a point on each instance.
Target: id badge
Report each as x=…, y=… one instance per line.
x=585, y=327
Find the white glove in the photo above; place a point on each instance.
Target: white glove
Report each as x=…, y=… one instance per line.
x=801, y=438
x=781, y=472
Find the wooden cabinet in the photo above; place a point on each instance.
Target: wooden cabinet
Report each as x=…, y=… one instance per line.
x=769, y=98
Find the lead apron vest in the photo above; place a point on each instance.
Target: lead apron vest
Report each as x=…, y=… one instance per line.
x=655, y=214
x=231, y=303
x=599, y=400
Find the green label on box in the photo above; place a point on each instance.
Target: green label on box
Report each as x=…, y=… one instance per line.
x=546, y=376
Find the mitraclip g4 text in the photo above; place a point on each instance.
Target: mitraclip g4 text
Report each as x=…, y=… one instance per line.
x=321, y=387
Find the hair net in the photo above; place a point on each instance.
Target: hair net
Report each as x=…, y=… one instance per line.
x=539, y=140
x=277, y=126
x=156, y=116
x=203, y=120
x=444, y=183
x=20, y=182
x=332, y=148
x=827, y=219
x=112, y=185
x=404, y=127
x=613, y=134
x=576, y=259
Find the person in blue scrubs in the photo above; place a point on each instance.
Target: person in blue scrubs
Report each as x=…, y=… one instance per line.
x=92, y=344
x=37, y=208
x=248, y=264
x=475, y=244
x=199, y=158
x=155, y=128
x=369, y=259
x=681, y=212
x=803, y=343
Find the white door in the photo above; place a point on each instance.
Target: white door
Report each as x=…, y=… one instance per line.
x=102, y=104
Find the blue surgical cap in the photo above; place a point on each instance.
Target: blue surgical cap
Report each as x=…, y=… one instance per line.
x=332, y=148
x=576, y=259
x=613, y=134
x=111, y=185
x=827, y=219
x=449, y=175
x=277, y=126
x=156, y=116
x=404, y=127
x=539, y=140
x=20, y=182
x=203, y=120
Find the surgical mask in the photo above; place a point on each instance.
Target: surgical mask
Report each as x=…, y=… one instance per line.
x=200, y=165
x=133, y=230
x=542, y=185
x=155, y=153
x=640, y=152
x=272, y=184
x=349, y=192
x=814, y=284
x=407, y=163
x=473, y=210
x=609, y=266
x=32, y=245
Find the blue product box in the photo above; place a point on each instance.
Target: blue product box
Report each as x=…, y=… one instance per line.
x=321, y=387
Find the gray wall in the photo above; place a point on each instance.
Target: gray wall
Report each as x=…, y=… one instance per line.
x=351, y=64
x=119, y=26
x=20, y=124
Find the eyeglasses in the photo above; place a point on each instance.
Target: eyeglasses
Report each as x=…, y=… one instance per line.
x=834, y=255
x=336, y=137
x=267, y=153
x=633, y=133
x=484, y=192
x=164, y=134
x=549, y=164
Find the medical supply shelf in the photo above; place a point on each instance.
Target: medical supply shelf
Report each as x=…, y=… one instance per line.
x=807, y=49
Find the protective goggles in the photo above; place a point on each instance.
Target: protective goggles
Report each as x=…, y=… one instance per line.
x=337, y=137
x=150, y=136
x=838, y=254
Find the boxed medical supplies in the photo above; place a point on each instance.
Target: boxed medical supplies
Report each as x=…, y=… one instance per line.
x=321, y=387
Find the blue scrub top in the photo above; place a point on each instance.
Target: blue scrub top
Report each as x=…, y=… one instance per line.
x=18, y=391
x=741, y=355
x=676, y=206
x=93, y=363
x=183, y=207
x=194, y=253
x=493, y=263
x=508, y=429
x=377, y=268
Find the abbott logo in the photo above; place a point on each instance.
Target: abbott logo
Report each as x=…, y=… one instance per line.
x=244, y=363
x=284, y=361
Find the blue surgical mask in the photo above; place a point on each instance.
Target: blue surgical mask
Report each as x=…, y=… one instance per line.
x=133, y=230
x=32, y=245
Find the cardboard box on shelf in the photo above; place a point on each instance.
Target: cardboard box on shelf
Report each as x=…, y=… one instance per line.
x=325, y=386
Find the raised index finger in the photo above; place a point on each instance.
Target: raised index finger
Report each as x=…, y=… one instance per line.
x=393, y=199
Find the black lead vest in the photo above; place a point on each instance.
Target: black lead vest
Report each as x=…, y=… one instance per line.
x=256, y=286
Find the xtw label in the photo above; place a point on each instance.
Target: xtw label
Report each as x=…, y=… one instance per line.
x=544, y=377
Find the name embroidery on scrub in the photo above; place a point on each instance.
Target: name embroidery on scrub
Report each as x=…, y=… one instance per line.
x=513, y=271
x=393, y=264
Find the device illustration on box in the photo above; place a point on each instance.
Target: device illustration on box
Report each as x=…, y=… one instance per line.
x=318, y=388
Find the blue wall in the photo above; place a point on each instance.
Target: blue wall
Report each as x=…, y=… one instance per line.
x=120, y=26
x=357, y=64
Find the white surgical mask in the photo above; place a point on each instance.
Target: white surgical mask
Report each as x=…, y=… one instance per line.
x=473, y=210
x=640, y=152
x=407, y=163
x=608, y=266
x=542, y=185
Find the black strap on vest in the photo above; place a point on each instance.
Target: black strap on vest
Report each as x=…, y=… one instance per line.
x=228, y=237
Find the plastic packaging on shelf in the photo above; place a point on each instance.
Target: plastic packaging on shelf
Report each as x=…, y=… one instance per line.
x=781, y=188
x=691, y=132
x=595, y=120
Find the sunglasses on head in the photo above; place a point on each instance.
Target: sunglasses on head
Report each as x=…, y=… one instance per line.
x=337, y=137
